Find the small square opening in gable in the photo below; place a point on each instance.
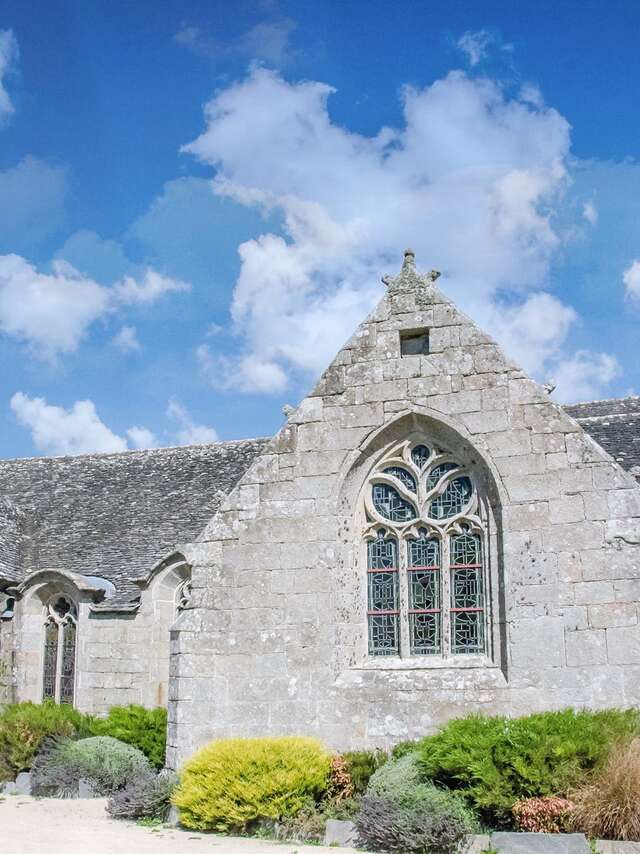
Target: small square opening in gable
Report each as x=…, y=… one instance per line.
x=414, y=342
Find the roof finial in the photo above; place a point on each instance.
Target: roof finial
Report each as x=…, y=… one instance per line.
x=409, y=277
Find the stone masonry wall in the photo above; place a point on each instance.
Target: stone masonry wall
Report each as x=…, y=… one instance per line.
x=275, y=641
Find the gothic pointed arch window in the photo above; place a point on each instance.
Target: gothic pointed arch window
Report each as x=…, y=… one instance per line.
x=60, y=635
x=425, y=545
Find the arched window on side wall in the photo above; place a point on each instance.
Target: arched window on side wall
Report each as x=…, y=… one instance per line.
x=425, y=541
x=60, y=634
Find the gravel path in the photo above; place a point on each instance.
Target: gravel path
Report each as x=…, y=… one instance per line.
x=52, y=826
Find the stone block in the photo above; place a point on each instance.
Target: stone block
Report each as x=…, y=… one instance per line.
x=623, y=645
x=492, y=421
x=593, y=592
x=585, y=648
x=20, y=786
x=340, y=833
x=569, y=508
x=86, y=789
x=613, y=615
x=537, y=643
x=540, y=843
x=615, y=846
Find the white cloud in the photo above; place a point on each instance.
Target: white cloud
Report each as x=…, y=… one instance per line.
x=150, y=287
x=631, y=279
x=140, y=437
x=8, y=58
x=590, y=213
x=55, y=430
x=33, y=197
x=471, y=182
x=584, y=376
x=476, y=45
x=188, y=432
x=127, y=340
x=267, y=41
x=52, y=312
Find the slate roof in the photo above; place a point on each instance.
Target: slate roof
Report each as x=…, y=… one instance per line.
x=12, y=522
x=615, y=425
x=114, y=515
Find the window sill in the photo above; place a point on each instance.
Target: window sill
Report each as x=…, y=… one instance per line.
x=469, y=662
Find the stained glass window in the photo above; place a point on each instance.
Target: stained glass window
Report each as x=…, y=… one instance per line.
x=425, y=575
x=390, y=504
x=420, y=455
x=58, y=681
x=406, y=479
x=50, y=659
x=452, y=500
x=423, y=572
x=467, y=596
x=382, y=610
x=437, y=472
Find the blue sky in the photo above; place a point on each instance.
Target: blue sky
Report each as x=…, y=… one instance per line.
x=196, y=204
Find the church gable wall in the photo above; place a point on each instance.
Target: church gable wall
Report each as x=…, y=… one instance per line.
x=276, y=638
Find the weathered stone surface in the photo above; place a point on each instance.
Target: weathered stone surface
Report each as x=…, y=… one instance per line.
x=340, y=833
x=540, y=843
x=20, y=786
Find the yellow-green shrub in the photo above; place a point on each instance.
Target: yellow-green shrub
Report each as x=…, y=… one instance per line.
x=230, y=783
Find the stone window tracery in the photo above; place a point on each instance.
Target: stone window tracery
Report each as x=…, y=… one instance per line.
x=425, y=544
x=59, y=665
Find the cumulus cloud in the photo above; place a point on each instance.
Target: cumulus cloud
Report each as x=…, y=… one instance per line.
x=631, y=279
x=471, y=181
x=148, y=288
x=141, y=437
x=584, y=376
x=127, y=340
x=189, y=433
x=8, y=59
x=52, y=312
x=60, y=431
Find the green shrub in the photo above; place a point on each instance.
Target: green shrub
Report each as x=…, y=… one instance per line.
x=497, y=761
x=231, y=783
x=147, y=796
x=361, y=764
x=397, y=779
x=404, y=747
x=104, y=762
x=145, y=729
x=399, y=812
x=24, y=727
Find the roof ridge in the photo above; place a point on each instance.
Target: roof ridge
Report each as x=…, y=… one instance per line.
x=601, y=400
x=132, y=451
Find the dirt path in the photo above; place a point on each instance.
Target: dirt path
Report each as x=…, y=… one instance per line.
x=52, y=826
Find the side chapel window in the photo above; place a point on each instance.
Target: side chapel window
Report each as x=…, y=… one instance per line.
x=425, y=545
x=60, y=630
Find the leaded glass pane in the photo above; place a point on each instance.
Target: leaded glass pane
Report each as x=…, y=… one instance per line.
x=425, y=633
x=382, y=595
x=390, y=504
x=452, y=500
x=438, y=472
x=467, y=595
x=420, y=455
x=465, y=550
x=405, y=478
x=67, y=673
x=50, y=660
x=383, y=634
x=467, y=632
x=382, y=552
x=424, y=595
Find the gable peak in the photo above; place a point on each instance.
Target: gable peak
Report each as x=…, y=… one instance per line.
x=409, y=279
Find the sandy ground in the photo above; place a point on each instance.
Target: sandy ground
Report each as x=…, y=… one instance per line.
x=52, y=826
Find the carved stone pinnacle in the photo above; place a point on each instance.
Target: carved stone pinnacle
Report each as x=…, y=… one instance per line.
x=409, y=278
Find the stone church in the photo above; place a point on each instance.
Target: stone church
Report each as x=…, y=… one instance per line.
x=427, y=535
